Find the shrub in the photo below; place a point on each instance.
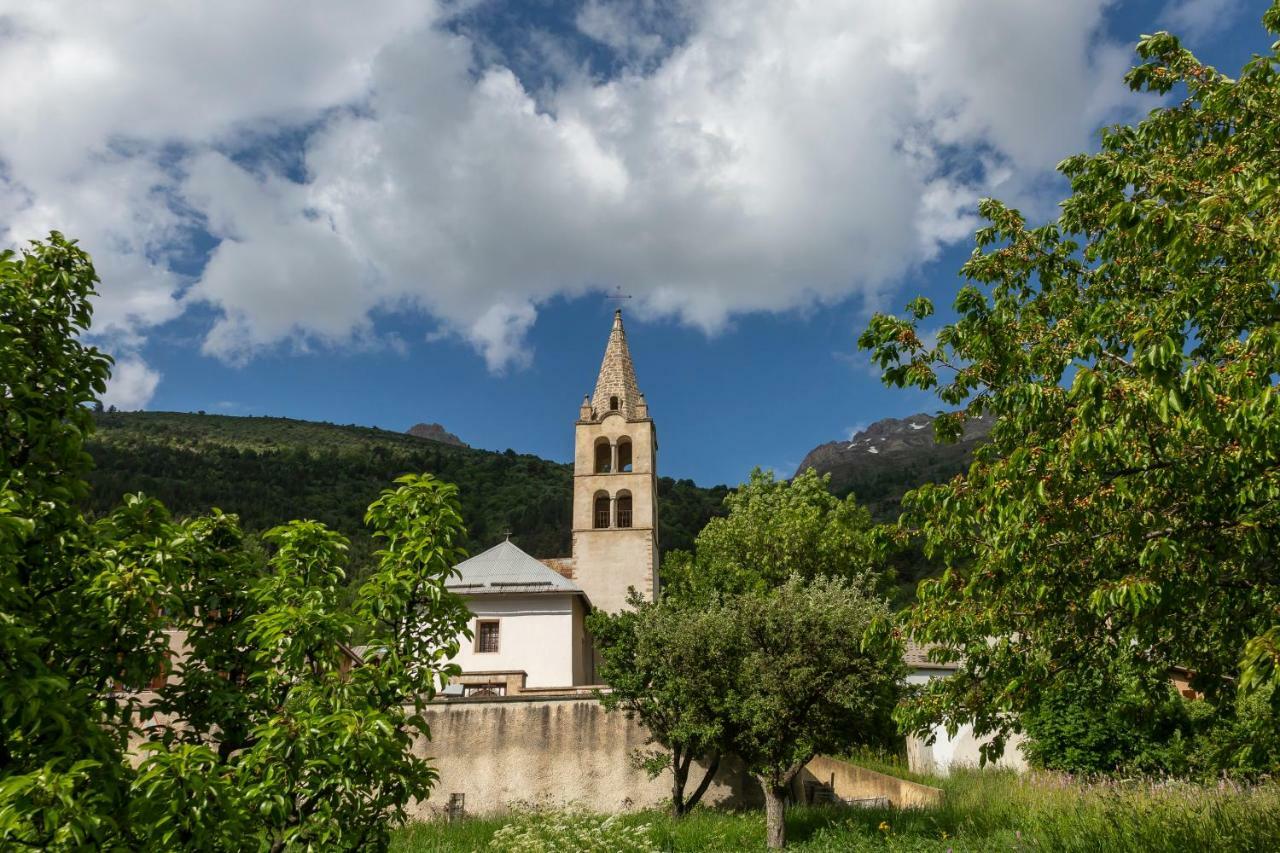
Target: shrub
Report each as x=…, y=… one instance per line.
x=1110, y=718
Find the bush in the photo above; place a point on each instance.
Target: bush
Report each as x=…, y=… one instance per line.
x=1243, y=744
x=1118, y=721
x=1109, y=719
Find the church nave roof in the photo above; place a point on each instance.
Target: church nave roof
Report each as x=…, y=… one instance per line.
x=505, y=569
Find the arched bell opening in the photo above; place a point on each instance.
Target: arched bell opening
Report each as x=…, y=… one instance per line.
x=604, y=456
x=624, y=454
x=624, y=508
x=600, y=511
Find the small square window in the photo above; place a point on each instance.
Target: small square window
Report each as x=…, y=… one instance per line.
x=486, y=636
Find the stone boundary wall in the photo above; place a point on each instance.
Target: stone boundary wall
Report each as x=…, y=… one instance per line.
x=509, y=752
x=505, y=752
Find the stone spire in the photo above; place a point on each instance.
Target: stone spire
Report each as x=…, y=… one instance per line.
x=617, y=376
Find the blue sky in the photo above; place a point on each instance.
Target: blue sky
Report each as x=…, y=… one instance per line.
x=412, y=212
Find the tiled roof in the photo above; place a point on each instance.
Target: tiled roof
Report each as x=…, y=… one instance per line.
x=560, y=565
x=916, y=656
x=504, y=568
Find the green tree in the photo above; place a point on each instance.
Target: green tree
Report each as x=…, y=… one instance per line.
x=266, y=740
x=60, y=743
x=813, y=672
x=770, y=641
x=1244, y=743
x=667, y=665
x=1130, y=493
x=1112, y=717
x=775, y=529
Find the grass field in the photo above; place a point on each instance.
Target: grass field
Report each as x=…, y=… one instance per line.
x=982, y=811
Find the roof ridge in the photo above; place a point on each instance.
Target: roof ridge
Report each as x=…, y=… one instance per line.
x=505, y=566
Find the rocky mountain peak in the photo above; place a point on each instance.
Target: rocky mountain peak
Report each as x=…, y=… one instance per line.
x=435, y=432
x=890, y=456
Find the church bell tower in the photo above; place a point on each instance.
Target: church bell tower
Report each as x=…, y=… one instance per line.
x=615, y=495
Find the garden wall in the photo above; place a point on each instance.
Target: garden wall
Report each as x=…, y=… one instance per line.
x=512, y=751
x=501, y=752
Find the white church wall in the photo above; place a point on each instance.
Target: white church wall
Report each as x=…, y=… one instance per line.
x=535, y=634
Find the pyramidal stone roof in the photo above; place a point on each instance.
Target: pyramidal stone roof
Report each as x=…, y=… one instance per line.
x=617, y=375
x=504, y=568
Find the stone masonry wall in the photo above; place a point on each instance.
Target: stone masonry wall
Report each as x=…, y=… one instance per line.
x=511, y=752
x=555, y=751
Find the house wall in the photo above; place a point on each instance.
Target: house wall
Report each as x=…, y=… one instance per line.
x=530, y=628
x=964, y=750
x=554, y=751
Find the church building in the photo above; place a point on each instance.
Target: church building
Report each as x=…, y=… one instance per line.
x=528, y=615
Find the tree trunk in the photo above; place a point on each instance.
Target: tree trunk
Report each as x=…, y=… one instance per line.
x=704, y=784
x=679, y=775
x=775, y=814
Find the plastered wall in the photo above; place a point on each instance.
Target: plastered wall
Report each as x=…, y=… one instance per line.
x=529, y=627
x=502, y=753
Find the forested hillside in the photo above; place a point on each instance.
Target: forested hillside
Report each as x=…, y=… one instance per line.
x=269, y=470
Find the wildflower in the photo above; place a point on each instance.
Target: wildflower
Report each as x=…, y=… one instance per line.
x=884, y=826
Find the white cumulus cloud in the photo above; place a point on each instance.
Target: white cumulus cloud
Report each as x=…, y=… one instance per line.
x=749, y=156
x=1198, y=18
x=133, y=383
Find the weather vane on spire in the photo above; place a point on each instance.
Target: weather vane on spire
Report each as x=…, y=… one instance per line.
x=618, y=295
